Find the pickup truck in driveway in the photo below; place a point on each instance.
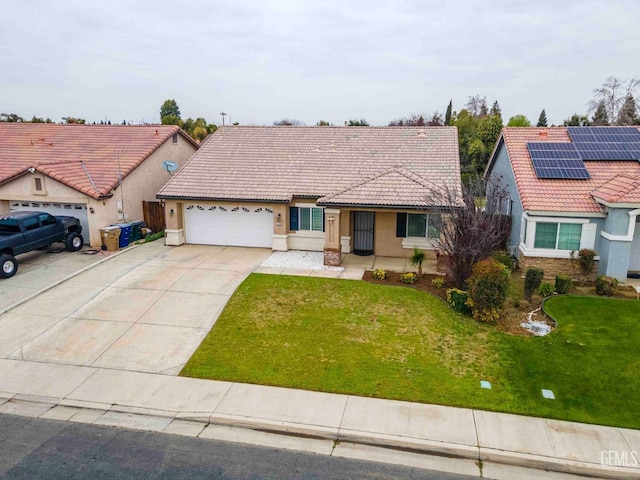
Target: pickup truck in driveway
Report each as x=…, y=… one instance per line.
x=22, y=232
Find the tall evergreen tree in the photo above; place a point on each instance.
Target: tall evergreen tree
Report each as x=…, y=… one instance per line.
x=169, y=108
x=495, y=109
x=447, y=116
x=542, y=119
x=600, y=116
x=628, y=113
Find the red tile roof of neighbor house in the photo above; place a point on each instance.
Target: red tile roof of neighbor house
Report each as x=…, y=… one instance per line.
x=560, y=195
x=375, y=166
x=82, y=157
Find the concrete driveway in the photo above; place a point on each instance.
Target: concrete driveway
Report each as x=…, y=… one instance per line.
x=144, y=310
x=41, y=268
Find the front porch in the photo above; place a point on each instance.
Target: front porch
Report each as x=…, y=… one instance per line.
x=391, y=264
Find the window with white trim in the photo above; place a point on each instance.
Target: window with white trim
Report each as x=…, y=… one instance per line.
x=424, y=225
x=558, y=236
x=308, y=218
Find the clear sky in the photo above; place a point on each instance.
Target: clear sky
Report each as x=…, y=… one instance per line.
x=261, y=61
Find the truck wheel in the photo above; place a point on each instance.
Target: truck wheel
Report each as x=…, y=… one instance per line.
x=73, y=241
x=8, y=266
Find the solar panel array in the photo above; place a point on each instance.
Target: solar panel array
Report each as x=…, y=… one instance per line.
x=566, y=160
x=557, y=160
x=606, y=143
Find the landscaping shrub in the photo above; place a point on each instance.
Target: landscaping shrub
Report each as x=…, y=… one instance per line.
x=379, y=274
x=417, y=259
x=458, y=300
x=505, y=258
x=606, y=285
x=546, y=289
x=563, y=283
x=532, y=280
x=438, y=282
x=488, y=287
x=584, y=261
x=408, y=277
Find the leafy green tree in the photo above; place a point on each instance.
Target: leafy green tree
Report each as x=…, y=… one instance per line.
x=169, y=108
x=447, y=116
x=80, y=121
x=542, y=119
x=172, y=120
x=519, y=121
x=576, y=120
x=358, y=123
x=467, y=125
x=629, y=112
x=600, y=116
x=322, y=123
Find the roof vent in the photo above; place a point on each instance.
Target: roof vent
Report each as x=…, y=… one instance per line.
x=422, y=133
x=543, y=134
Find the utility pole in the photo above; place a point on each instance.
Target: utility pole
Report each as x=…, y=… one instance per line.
x=121, y=188
x=223, y=114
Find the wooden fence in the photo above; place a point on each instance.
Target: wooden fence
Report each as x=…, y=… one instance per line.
x=153, y=213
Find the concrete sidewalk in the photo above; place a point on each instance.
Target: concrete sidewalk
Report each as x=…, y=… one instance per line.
x=106, y=394
x=203, y=408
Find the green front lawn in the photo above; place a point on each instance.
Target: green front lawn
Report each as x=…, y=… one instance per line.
x=400, y=343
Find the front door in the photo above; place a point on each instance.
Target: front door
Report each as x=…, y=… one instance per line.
x=363, y=223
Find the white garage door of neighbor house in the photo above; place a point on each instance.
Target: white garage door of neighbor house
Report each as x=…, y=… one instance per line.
x=77, y=210
x=228, y=225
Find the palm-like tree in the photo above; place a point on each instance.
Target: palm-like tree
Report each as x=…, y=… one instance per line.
x=416, y=259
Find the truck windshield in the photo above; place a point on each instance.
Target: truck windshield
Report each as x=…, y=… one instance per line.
x=9, y=225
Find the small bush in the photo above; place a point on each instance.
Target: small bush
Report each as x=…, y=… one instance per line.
x=606, y=285
x=408, y=277
x=505, y=258
x=458, y=300
x=488, y=287
x=438, y=282
x=532, y=280
x=563, y=283
x=546, y=289
x=379, y=274
x=584, y=261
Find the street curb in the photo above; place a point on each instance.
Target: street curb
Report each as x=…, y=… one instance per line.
x=68, y=277
x=141, y=418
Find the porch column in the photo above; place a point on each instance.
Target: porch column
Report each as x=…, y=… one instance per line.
x=174, y=231
x=332, y=255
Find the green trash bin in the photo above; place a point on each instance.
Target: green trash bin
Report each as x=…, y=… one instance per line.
x=136, y=230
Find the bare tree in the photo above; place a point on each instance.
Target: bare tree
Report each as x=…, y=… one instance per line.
x=477, y=106
x=612, y=95
x=474, y=224
x=288, y=122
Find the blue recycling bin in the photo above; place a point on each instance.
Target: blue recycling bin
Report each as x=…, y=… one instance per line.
x=125, y=234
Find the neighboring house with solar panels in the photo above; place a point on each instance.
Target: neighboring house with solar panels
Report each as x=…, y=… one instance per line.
x=572, y=188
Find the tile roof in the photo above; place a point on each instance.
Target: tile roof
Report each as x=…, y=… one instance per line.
x=620, y=189
x=80, y=156
x=557, y=195
x=386, y=166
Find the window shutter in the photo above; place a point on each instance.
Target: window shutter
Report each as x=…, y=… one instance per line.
x=588, y=238
x=293, y=218
x=401, y=225
x=323, y=219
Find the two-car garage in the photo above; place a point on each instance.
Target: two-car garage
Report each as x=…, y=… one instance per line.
x=232, y=225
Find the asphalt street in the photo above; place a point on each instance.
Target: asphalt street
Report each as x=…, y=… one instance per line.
x=48, y=449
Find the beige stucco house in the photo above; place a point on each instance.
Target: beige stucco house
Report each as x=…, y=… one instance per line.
x=76, y=169
x=334, y=189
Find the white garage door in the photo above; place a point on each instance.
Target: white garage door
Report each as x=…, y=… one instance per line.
x=228, y=225
x=77, y=210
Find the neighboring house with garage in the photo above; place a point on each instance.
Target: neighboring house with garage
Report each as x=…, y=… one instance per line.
x=361, y=190
x=76, y=169
x=572, y=188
